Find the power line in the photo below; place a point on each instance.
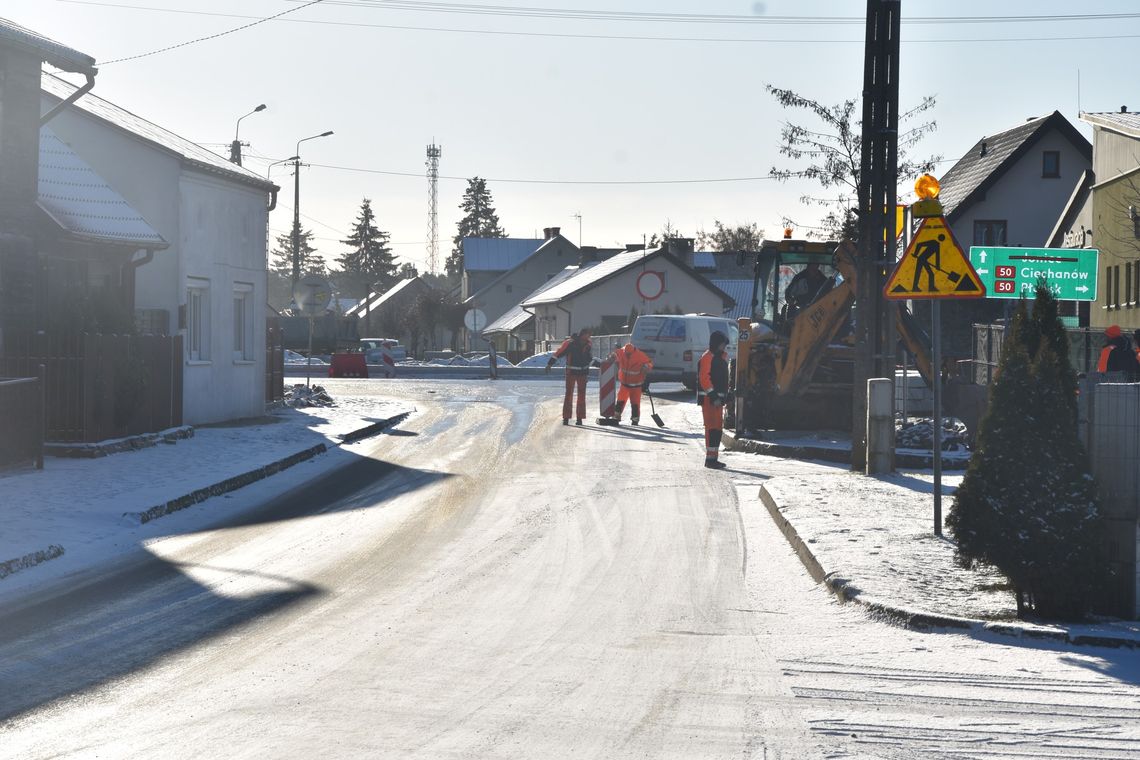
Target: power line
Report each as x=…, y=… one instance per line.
x=619, y=37
x=211, y=36
x=419, y=175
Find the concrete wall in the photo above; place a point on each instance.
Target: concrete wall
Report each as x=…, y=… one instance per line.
x=223, y=243
x=617, y=295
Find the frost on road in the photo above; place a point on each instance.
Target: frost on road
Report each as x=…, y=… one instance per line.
x=490, y=584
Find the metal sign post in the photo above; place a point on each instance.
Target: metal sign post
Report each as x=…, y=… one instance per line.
x=309, y=358
x=936, y=434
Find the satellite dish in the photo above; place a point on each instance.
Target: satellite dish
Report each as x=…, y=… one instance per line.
x=312, y=294
x=475, y=320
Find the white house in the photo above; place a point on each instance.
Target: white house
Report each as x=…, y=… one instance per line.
x=210, y=283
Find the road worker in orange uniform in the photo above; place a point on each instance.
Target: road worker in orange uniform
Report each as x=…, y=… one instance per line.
x=633, y=368
x=578, y=350
x=712, y=390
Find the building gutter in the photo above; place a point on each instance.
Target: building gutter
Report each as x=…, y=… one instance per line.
x=71, y=98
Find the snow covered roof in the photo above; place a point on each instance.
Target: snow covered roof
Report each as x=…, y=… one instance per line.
x=1125, y=122
x=377, y=301
x=593, y=274
x=49, y=51
x=191, y=153
x=496, y=254
x=517, y=316
x=83, y=204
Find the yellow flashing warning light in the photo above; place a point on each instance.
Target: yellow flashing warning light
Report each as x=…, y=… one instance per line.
x=927, y=186
x=928, y=205
x=787, y=233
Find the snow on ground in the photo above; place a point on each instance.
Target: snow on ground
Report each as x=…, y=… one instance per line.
x=79, y=504
x=540, y=360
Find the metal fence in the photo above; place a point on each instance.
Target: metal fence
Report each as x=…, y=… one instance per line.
x=21, y=421
x=274, y=361
x=603, y=345
x=98, y=387
x=1109, y=423
x=1084, y=349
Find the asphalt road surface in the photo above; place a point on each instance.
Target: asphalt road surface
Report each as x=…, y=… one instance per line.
x=486, y=583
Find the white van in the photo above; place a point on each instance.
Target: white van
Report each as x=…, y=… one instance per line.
x=675, y=343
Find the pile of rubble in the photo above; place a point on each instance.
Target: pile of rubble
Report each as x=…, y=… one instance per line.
x=301, y=395
x=919, y=434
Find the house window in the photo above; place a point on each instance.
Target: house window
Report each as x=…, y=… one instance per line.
x=1051, y=163
x=1128, y=284
x=1135, y=217
x=243, y=322
x=198, y=320
x=1136, y=282
x=989, y=232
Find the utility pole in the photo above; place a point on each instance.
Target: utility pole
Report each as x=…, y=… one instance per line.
x=878, y=179
x=578, y=216
x=296, y=219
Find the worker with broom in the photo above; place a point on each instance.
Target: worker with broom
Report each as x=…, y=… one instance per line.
x=633, y=368
x=712, y=392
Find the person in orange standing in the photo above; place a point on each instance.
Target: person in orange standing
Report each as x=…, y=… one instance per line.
x=578, y=351
x=633, y=368
x=712, y=390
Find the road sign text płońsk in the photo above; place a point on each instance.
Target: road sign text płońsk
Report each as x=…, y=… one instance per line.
x=1013, y=272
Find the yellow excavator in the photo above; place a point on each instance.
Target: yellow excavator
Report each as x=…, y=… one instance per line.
x=796, y=356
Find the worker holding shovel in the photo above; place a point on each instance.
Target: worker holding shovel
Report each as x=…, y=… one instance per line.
x=633, y=368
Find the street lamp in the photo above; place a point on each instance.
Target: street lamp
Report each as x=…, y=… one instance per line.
x=235, y=146
x=274, y=163
x=297, y=205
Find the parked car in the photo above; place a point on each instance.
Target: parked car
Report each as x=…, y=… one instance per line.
x=675, y=343
x=370, y=347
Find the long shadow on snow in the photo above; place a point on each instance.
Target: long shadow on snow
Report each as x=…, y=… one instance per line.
x=129, y=616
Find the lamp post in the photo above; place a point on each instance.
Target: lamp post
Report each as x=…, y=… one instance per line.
x=297, y=204
x=274, y=163
x=235, y=146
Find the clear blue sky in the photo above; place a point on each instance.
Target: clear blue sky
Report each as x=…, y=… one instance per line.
x=569, y=100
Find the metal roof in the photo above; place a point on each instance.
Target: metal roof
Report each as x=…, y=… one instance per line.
x=517, y=316
x=741, y=292
x=978, y=169
x=377, y=301
x=704, y=260
x=556, y=240
x=49, y=51
x=191, y=153
x=497, y=254
x=83, y=204
x=1125, y=123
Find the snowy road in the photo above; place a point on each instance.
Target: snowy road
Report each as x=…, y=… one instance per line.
x=487, y=583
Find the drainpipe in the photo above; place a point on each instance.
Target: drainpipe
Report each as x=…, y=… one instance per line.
x=569, y=319
x=272, y=200
x=70, y=98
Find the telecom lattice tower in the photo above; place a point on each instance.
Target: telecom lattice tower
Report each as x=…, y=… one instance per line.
x=433, y=153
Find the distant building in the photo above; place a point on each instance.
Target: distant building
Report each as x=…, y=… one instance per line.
x=484, y=259
x=1009, y=189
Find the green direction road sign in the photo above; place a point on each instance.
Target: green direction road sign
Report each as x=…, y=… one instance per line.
x=1013, y=272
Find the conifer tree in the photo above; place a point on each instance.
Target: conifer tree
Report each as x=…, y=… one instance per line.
x=369, y=262
x=281, y=261
x=480, y=220
x=1028, y=504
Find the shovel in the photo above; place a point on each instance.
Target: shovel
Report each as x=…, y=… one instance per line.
x=654, y=415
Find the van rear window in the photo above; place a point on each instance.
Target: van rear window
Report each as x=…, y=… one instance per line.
x=669, y=331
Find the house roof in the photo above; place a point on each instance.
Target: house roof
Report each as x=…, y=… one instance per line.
x=497, y=254
x=590, y=276
x=377, y=301
x=190, y=153
x=1082, y=192
x=1126, y=122
x=977, y=171
x=48, y=50
x=741, y=292
x=703, y=260
x=83, y=204
x=517, y=316
x=550, y=242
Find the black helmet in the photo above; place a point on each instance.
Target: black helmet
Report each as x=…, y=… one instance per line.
x=717, y=340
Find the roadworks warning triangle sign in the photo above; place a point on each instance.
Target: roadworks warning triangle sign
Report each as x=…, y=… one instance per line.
x=934, y=266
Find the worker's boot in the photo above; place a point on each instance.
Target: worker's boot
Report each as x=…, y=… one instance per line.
x=618, y=409
x=715, y=464
x=635, y=409
x=565, y=422
x=579, y=422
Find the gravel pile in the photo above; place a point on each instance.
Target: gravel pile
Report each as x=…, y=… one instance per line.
x=919, y=434
x=300, y=396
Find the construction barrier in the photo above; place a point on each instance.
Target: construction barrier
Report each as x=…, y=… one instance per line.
x=348, y=365
x=607, y=391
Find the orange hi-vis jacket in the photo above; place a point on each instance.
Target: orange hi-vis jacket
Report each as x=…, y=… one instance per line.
x=712, y=374
x=633, y=365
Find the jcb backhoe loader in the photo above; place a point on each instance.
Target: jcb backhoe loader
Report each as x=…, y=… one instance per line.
x=795, y=363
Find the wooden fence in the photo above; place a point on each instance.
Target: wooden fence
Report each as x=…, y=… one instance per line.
x=99, y=387
x=21, y=421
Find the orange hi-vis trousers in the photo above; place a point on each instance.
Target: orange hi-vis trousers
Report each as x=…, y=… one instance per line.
x=714, y=427
x=575, y=381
